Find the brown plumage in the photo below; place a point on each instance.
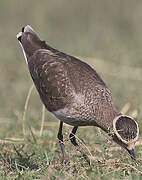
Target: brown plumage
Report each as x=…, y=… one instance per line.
x=74, y=92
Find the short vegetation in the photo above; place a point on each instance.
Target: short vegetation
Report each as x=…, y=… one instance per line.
x=105, y=34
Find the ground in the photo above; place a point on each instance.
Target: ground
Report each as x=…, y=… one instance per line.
x=106, y=35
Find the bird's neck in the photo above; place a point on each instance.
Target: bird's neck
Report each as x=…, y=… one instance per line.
x=106, y=118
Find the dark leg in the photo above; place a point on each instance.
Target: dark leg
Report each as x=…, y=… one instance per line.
x=72, y=137
x=73, y=141
x=60, y=138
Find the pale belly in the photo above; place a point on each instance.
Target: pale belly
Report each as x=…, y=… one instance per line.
x=74, y=118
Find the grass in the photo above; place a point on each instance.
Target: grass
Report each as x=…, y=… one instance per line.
x=37, y=158
x=105, y=34
x=32, y=150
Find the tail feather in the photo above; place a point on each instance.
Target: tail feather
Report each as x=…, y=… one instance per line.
x=28, y=28
x=19, y=35
x=29, y=41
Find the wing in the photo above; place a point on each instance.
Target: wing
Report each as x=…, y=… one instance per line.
x=59, y=77
x=50, y=77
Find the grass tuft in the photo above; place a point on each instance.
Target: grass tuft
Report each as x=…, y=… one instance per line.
x=31, y=149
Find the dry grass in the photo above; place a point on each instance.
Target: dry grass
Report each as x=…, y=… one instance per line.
x=109, y=33
x=25, y=109
x=34, y=155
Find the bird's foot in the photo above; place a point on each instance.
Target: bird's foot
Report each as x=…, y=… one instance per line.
x=86, y=158
x=65, y=162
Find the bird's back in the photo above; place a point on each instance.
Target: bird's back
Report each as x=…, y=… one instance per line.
x=74, y=92
x=70, y=88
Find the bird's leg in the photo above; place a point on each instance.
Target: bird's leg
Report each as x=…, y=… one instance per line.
x=73, y=141
x=72, y=136
x=60, y=138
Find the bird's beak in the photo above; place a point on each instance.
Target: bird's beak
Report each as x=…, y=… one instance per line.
x=132, y=153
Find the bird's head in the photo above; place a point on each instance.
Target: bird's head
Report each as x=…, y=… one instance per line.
x=126, y=132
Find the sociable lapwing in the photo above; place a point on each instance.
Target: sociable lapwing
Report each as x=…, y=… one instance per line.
x=74, y=92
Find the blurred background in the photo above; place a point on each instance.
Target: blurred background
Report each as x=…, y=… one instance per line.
x=105, y=34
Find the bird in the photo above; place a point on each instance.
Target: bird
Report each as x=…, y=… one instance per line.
x=74, y=92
